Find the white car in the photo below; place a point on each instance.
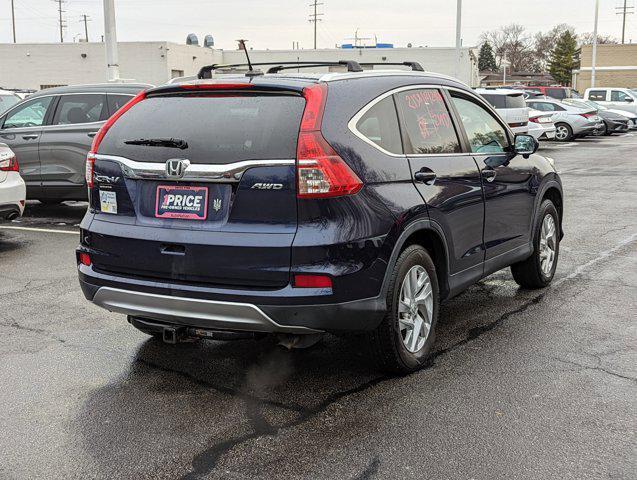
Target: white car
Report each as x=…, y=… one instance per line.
x=7, y=100
x=614, y=98
x=12, y=188
x=541, y=125
x=510, y=105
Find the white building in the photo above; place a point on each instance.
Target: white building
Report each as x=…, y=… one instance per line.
x=38, y=66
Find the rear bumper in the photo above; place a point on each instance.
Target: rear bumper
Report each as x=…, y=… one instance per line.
x=179, y=305
x=12, y=196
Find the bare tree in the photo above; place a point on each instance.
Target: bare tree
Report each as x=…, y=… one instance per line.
x=544, y=42
x=513, y=42
x=587, y=39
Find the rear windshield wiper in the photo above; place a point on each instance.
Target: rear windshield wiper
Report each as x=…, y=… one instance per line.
x=160, y=142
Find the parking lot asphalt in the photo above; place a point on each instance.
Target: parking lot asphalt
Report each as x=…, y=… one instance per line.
x=524, y=384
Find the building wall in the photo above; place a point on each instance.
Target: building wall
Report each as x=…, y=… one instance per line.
x=439, y=60
x=32, y=66
x=616, y=67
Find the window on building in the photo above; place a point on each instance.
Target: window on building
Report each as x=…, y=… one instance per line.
x=380, y=125
x=485, y=133
x=428, y=128
x=176, y=73
x=74, y=109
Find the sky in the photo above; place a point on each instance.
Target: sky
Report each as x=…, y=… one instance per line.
x=276, y=24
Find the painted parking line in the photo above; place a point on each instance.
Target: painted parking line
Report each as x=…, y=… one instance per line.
x=43, y=230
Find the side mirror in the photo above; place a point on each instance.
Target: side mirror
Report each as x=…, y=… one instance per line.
x=629, y=100
x=525, y=145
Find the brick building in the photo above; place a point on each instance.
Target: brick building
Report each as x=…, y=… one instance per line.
x=616, y=67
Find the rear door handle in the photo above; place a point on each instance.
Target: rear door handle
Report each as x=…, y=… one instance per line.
x=31, y=137
x=425, y=175
x=489, y=174
x=92, y=134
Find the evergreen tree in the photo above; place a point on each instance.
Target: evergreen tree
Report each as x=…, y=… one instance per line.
x=563, y=58
x=486, y=59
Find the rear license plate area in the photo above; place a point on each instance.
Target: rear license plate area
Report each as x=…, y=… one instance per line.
x=182, y=201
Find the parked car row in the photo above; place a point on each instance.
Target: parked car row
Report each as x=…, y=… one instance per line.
x=571, y=117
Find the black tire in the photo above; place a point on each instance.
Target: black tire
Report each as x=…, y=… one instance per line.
x=529, y=273
x=569, y=131
x=606, y=131
x=386, y=340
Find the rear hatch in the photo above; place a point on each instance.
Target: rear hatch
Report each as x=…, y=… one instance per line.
x=511, y=107
x=198, y=186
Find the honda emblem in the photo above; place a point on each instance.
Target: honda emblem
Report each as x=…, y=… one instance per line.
x=176, y=168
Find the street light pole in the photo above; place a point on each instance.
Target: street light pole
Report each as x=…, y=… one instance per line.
x=594, y=55
x=458, y=36
x=110, y=38
x=13, y=20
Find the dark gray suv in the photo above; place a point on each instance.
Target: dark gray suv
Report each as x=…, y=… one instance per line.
x=51, y=132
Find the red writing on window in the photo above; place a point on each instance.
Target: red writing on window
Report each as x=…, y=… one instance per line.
x=430, y=110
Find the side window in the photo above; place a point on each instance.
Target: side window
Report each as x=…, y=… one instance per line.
x=115, y=102
x=380, y=126
x=597, y=95
x=618, y=96
x=31, y=114
x=485, y=133
x=427, y=123
x=74, y=109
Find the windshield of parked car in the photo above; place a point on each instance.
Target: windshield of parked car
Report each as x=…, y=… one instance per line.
x=8, y=101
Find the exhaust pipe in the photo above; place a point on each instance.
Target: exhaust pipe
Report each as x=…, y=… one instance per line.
x=13, y=216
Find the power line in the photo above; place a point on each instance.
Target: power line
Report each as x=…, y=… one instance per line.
x=314, y=17
x=85, y=18
x=625, y=10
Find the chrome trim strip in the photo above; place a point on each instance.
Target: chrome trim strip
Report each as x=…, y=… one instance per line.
x=230, y=172
x=191, y=311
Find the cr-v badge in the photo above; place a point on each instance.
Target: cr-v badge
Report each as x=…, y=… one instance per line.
x=176, y=168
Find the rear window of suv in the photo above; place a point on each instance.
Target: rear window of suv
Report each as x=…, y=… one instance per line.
x=218, y=129
x=505, y=101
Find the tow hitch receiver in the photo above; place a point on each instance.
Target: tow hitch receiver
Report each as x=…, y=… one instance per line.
x=172, y=335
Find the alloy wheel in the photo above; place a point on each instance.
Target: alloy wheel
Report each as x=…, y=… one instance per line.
x=415, y=308
x=548, y=244
x=561, y=133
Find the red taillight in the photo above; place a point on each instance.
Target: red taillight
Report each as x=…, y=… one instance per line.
x=587, y=115
x=90, y=159
x=534, y=119
x=85, y=259
x=321, y=172
x=9, y=164
x=312, y=281
x=90, y=169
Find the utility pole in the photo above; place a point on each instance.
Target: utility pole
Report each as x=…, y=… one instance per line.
x=458, y=36
x=314, y=18
x=625, y=10
x=62, y=22
x=85, y=19
x=594, y=59
x=13, y=20
x=110, y=37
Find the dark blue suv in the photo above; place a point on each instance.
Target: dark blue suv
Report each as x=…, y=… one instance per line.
x=299, y=204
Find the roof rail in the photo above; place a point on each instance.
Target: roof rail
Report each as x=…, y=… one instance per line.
x=415, y=66
x=352, y=66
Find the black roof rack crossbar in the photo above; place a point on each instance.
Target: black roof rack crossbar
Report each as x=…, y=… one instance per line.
x=352, y=66
x=415, y=66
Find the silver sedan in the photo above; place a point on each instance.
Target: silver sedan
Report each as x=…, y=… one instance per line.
x=570, y=121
